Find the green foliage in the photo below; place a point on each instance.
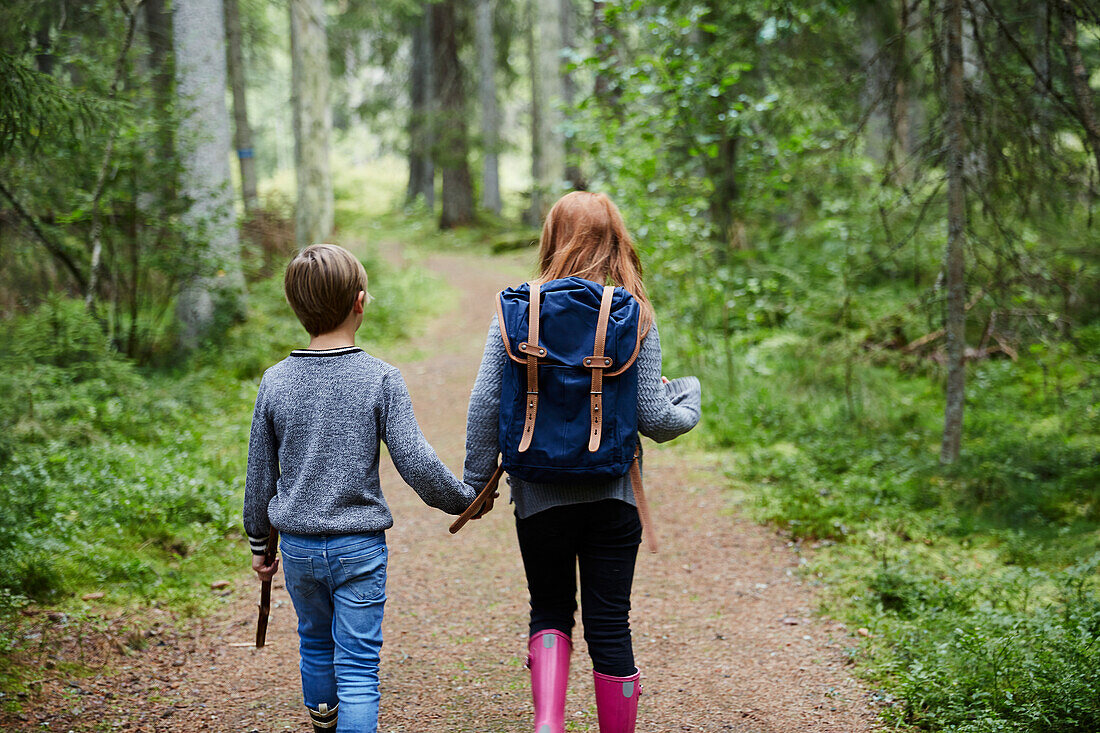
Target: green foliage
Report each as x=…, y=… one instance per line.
x=34, y=107
x=1015, y=650
x=98, y=459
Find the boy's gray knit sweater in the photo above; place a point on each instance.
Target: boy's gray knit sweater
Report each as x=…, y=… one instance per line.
x=664, y=411
x=314, y=446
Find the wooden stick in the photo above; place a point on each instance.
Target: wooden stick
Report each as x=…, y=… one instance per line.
x=265, y=590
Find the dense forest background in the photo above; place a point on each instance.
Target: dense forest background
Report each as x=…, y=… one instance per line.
x=873, y=225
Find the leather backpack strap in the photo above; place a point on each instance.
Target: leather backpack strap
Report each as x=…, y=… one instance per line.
x=597, y=363
x=533, y=351
x=640, y=501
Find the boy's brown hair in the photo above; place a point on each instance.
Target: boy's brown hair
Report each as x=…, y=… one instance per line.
x=321, y=285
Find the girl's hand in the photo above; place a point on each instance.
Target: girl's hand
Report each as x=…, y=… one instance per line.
x=664, y=379
x=487, y=506
x=266, y=572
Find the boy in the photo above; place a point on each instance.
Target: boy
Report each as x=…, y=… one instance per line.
x=313, y=474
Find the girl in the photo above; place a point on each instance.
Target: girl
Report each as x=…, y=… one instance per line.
x=593, y=523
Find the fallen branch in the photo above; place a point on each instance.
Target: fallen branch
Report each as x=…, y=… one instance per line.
x=922, y=341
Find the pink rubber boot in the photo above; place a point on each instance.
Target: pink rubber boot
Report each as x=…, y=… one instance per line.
x=617, y=702
x=548, y=660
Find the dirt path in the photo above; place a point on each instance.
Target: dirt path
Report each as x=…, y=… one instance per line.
x=724, y=631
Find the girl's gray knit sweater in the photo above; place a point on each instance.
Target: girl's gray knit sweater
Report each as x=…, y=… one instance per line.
x=664, y=411
x=314, y=447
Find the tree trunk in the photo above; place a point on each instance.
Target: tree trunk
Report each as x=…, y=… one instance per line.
x=547, y=95
x=43, y=57
x=158, y=30
x=954, y=266
x=899, y=110
x=1079, y=78
x=876, y=95
x=421, y=84
x=573, y=172
x=215, y=292
x=452, y=149
x=1042, y=68
x=608, y=92
x=242, y=132
x=490, y=113
x=309, y=84
x=721, y=168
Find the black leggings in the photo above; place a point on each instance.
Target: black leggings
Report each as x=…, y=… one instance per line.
x=604, y=537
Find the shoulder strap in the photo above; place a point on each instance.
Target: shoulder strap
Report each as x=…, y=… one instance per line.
x=640, y=501
x=534, y=351
x=597, y=363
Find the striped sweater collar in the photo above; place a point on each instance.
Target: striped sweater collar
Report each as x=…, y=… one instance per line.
x=326, y=352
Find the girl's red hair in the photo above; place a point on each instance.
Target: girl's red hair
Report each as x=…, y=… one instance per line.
x=584, y=235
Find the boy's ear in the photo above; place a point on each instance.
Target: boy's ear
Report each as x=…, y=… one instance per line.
x=357, y=307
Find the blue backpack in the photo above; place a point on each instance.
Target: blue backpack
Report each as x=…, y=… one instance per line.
x=569, y=398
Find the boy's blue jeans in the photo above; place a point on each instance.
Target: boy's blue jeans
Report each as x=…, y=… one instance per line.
x=338, y=586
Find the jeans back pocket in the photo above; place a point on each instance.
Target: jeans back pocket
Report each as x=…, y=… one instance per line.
x=365, y=573
x=298, y=574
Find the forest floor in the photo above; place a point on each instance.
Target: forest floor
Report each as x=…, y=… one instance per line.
x=724, y=622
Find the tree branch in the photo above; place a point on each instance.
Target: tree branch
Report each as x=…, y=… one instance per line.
x=52, y=247
x=1044, y=80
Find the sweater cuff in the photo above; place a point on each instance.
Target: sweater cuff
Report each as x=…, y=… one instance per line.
x=684, y=389
x=258, y=545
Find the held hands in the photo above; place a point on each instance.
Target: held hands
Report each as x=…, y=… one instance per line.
x=487, y=506
x=265, y=572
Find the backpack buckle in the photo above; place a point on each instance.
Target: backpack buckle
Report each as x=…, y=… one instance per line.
x=526, y=348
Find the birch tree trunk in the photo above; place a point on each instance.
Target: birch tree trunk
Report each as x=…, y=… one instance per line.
x=954, y=264
x=202, y=138
x=490, y=113
x=547, y=95
x=309, y=83
x=452, y=148
x=242, y=132
x=421, y=86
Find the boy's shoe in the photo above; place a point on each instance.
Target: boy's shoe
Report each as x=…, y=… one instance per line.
x=324, y=720
x=548, y=660
x=617, y=702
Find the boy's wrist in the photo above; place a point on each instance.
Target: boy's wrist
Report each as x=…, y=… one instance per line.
x=258, y=545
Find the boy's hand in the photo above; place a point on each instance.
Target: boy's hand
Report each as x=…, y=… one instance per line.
x=266, y=572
